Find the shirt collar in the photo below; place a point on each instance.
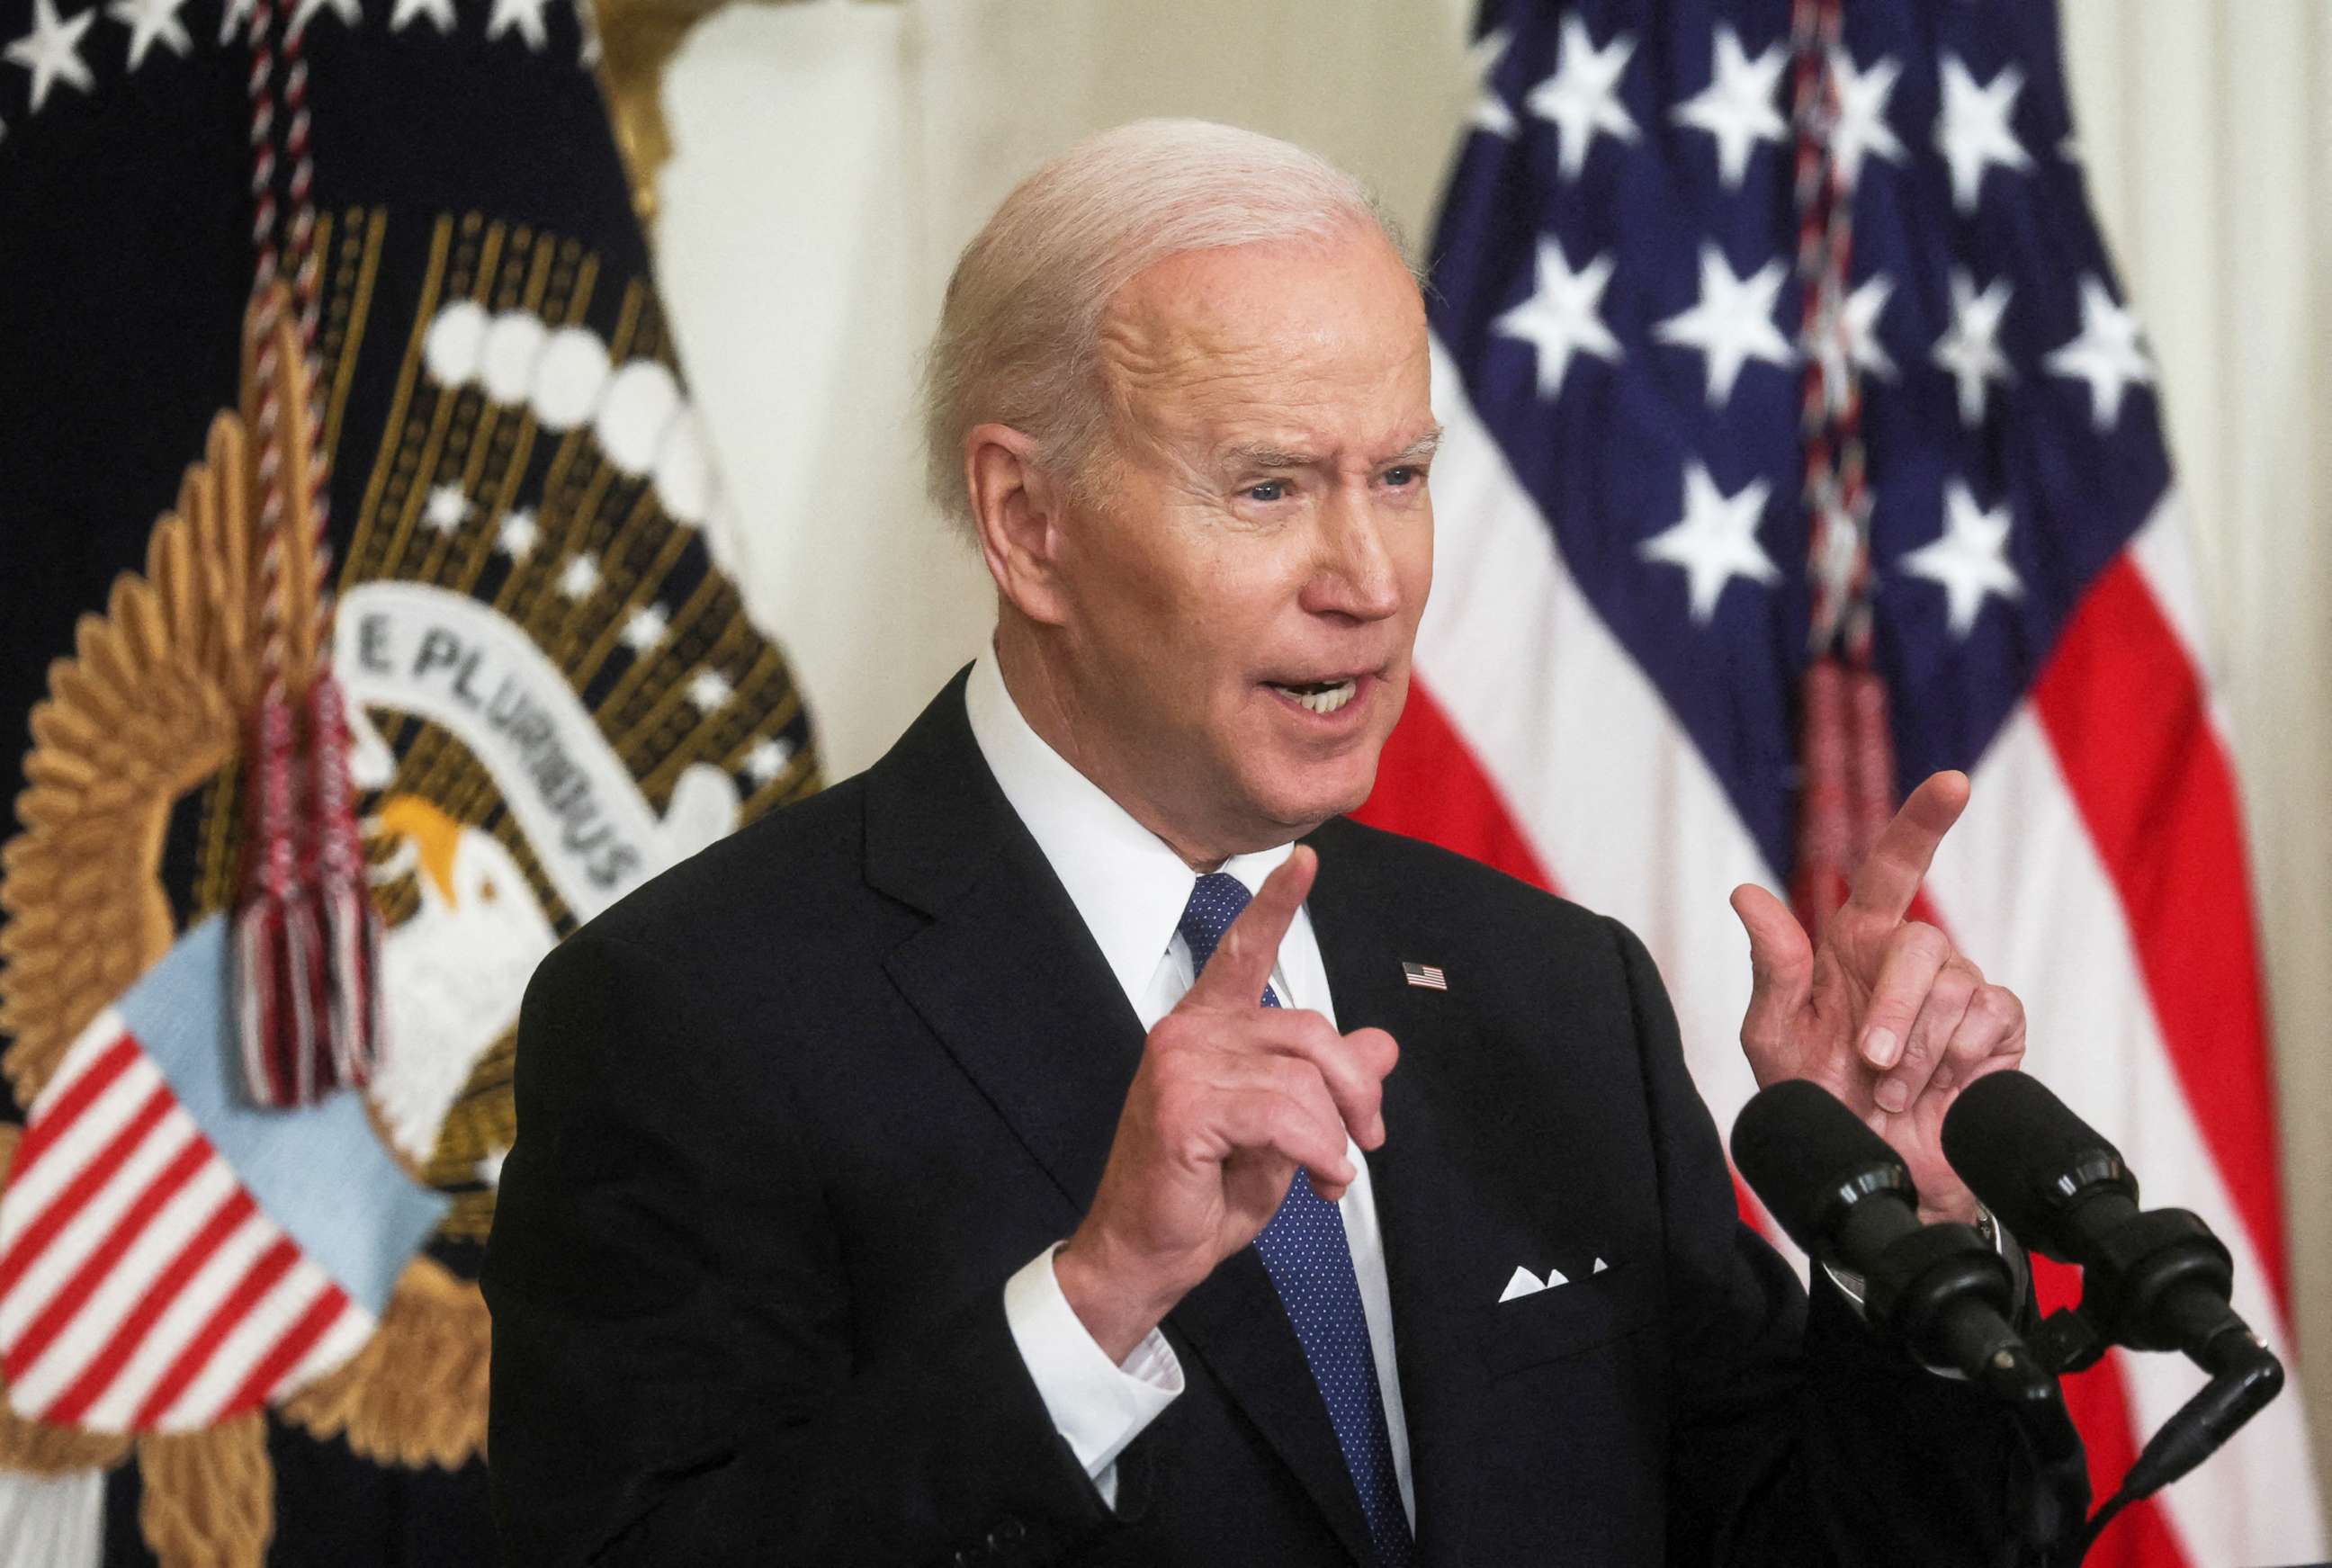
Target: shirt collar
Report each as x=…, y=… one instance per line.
x=1127, y=885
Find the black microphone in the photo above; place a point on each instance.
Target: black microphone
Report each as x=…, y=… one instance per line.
x=2153, y=1280
x=1941, y=1291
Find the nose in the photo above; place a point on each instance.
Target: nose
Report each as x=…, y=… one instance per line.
x=1355, y=578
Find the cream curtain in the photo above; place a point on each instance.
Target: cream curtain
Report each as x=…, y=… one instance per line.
x=2207, y=126
x=830, y=159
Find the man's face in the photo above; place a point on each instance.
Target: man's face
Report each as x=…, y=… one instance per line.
x=1241, y=594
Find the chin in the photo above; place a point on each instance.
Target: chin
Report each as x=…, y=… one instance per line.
x=1283, y=786
x=1301, y=799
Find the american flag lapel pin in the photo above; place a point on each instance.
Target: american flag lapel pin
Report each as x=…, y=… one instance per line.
x=1426, y=975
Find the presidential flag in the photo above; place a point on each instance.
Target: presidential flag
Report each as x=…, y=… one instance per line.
x=233, y=1331
x=1801, y=442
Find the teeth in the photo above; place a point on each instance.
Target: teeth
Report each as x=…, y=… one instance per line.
x=1324, y=699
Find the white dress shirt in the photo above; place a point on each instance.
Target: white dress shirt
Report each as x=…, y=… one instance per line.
x=1130, y=889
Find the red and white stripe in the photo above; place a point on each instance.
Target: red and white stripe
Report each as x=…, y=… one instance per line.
x=2098, y=871
x=141, y=1288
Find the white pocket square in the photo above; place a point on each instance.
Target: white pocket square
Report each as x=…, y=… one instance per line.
x=1525, y=1282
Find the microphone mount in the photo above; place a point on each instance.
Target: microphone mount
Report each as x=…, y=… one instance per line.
x=2151, y=1279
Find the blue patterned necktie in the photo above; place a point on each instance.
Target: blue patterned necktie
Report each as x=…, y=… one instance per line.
x=1310, y=1262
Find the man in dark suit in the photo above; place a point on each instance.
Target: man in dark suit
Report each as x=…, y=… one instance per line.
x=1072, y=1142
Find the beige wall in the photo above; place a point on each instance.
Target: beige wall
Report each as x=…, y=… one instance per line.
x=831, y=158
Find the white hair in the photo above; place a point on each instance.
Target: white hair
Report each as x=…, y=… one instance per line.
x=1019, y=338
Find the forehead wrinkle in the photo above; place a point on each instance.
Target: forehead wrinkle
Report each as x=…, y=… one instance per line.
x=1196, y=409
x=1171, y=357
x=1192, y=372
x=1273, y=453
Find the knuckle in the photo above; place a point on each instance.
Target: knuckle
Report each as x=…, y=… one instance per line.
x=1314, y=1033
x=1288, y=1128
x=1172, y=1034
x=1969, y=1047
x=1924, y=942
x=1995, y=1008
x=1174, y=1105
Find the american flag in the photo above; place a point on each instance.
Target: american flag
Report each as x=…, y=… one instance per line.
x=1800, y=444
x=169, y=1256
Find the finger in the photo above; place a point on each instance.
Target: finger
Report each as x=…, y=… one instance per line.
x=1280, y=1104
x=1924, y=1048
x=1915, y=954
x=1889, y=875
x=1781, y=966
x=1990, y=1036
x=1377, y=1052
x=1353, y=1066
x=1939, y=1020
x=1241, y=967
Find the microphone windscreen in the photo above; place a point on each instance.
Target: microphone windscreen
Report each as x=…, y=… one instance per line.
x=2010, y=1139
x=1797, y=1146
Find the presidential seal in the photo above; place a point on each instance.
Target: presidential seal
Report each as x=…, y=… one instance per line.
x=553, y=691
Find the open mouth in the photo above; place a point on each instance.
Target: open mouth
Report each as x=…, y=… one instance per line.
x=1319, y=696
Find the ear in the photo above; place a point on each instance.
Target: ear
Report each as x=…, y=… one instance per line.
x=1017, y=508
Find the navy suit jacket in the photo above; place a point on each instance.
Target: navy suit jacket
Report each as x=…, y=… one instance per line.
x=791, y=1115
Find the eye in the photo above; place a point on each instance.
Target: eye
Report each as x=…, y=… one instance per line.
x=1406, y=476
x=1270, y=490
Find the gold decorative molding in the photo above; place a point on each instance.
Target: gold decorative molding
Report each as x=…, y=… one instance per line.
x=637, y=39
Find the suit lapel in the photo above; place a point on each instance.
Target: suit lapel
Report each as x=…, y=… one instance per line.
x=1010, y=980
x=1006, y=974
x=1424, y=1208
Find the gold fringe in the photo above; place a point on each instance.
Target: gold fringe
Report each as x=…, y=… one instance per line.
x=415, y=1394
x=42, y=1449
x=209, y=1496
x=147, y=708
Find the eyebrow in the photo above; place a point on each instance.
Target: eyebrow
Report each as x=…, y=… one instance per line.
x=1260, y=454
x=1422, y=447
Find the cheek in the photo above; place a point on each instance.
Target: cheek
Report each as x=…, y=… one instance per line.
x=1163, y=623
x=1123, y=591
x=1414, y=562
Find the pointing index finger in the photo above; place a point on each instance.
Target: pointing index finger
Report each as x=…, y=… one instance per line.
x=1890, y=876
x=1241, y=967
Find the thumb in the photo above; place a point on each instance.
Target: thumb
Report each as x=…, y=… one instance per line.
x=1781, y=959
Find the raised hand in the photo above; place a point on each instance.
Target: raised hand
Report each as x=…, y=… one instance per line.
x=1230, y=1099
x=1884, y=1012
